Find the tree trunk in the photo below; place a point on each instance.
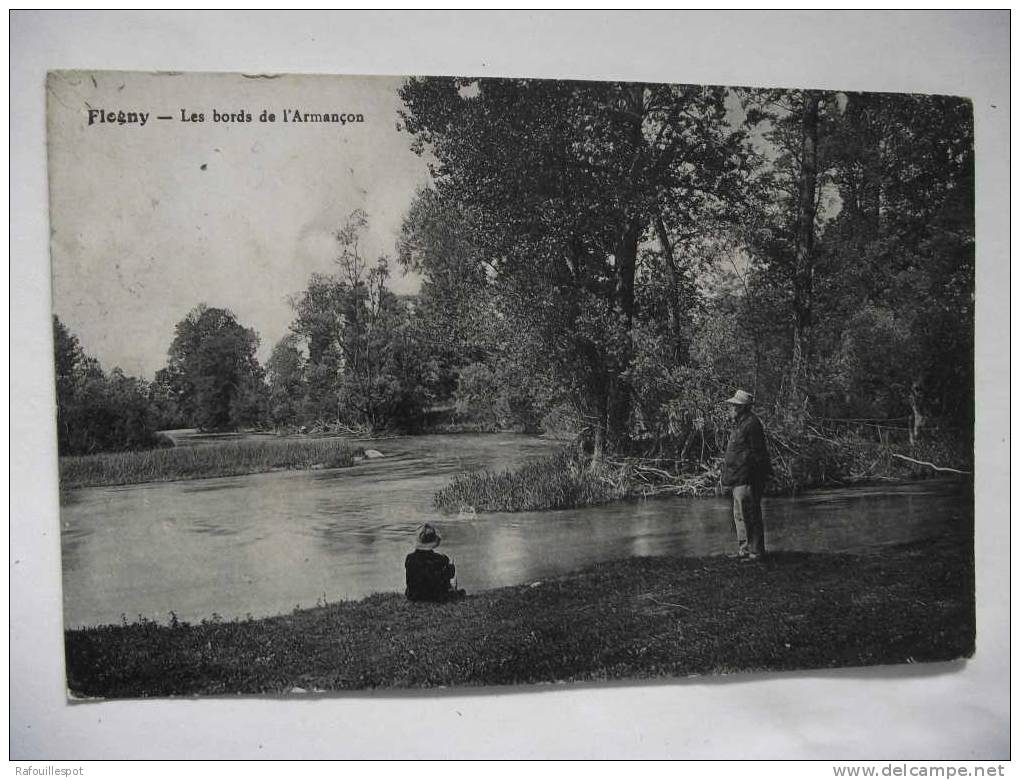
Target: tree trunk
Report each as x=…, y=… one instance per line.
x=675, y=314
x=916, y=416
x=598, y=440
x=618, y=390
x=803, y=270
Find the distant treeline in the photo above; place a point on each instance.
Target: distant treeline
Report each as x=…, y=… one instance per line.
x=96, y=411
x=611, y=260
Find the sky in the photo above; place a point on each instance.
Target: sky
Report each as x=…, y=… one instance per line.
x=148, y=221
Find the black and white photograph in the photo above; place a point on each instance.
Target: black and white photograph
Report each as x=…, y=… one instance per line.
x=509, y=399
x=440, y=381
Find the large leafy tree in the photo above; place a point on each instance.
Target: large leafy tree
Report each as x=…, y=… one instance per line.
x=212, y=366
x=560, y=184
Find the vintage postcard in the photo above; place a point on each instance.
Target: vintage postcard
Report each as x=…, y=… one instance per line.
x=373, y=382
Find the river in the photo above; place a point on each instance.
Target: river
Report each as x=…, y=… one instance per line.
x=265, y=543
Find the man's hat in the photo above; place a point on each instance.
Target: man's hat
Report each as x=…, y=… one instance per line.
x=740, y=398
x=426, y=538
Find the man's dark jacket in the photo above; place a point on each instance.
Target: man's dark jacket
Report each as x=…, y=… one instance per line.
x=747, y=456
x=428, y=576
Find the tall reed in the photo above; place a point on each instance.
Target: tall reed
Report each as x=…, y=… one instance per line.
x=213, y=460
x=561, y=481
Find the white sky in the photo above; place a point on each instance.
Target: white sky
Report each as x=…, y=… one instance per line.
x=141, y=233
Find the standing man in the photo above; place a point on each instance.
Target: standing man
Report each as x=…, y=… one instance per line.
x=746, y=469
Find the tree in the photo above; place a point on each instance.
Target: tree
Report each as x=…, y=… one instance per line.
x=285, y=373
x=874, y=270
x=904, y=241
x=788, y=214
x=213, y=368
x=95, y=412
x=454, y=309
x=164, y=403
x=559, y=184
x=367, y=365
x=318, y=326
x=803, y=261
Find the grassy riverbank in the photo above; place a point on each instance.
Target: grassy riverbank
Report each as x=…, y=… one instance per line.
x=214, y=460
x=568, y=479
x=634, y=618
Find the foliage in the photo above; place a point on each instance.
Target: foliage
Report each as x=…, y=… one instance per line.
x=889, y=309
x=213, y=372
x=559, y=183
x=164, y=403
x=368, y=363
x=807, y=273
x=498, y=396
x=286, y=377
x=476, y=392
x=609, y=261
x=96, y=412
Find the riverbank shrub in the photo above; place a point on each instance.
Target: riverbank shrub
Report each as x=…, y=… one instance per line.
x=198, y=462
x=812, y=458
x=801, y=460
x=562, y=481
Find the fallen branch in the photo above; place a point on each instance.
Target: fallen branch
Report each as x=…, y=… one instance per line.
x=816, y=435
x=658, y=472
x=666, y=603
x=926, y=463
x=774, y=438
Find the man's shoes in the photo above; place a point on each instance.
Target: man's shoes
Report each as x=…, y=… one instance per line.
x=750, y=558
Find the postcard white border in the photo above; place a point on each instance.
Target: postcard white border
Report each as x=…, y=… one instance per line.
x=945, y=711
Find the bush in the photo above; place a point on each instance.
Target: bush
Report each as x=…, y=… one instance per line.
x=563, y=481
x=105, y=414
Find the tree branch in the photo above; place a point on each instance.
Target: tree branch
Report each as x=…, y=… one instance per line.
x=926, y=463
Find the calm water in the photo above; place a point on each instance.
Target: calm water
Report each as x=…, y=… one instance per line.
x=263, y=544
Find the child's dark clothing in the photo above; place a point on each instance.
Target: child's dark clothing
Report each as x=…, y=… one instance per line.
x=428, y=576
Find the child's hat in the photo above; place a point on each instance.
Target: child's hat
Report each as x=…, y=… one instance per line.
x=426, y=537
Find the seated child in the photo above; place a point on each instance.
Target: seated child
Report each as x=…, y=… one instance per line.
x=428, y=572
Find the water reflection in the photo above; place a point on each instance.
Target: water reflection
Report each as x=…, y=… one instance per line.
x=262, y=544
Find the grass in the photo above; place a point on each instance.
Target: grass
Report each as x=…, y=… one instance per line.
x=214, y=460
x=634, y=618
x=557, y=482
